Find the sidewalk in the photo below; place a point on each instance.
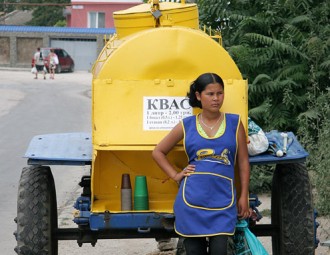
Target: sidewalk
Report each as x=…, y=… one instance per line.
x=18, y=69
x=28, y=69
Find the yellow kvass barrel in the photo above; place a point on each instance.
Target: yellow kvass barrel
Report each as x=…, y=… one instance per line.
x=140, y=82
x=139, y=17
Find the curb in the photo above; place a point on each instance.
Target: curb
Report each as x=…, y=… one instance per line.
x=17, y=69
x=28, y=69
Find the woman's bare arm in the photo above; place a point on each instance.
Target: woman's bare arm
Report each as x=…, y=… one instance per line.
x=244, y=173
x=164, y=147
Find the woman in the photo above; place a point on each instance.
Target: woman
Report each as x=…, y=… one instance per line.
x=214, y=141
x=53, y=61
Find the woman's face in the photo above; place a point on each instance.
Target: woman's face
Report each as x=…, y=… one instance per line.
x=211, y=97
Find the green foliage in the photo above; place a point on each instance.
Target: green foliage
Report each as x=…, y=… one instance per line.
x=261, y=179
x=213, y=13
x=314, y=130
x=266, y=213
x=321, y=180
x=282, y=48
x=47, y=15
x=43, y=15
x=60, y=23
x=7, y=8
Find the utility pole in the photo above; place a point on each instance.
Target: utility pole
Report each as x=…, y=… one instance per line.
x=5, y=12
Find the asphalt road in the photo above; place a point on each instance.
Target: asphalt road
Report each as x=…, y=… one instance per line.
x=30, y=107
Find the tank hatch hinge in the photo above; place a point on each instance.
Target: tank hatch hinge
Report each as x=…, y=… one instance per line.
x=154, y=8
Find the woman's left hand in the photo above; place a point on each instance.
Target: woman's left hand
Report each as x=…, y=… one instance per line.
x=243, y=208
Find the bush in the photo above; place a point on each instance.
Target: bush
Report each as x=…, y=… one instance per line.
x=320, y=170
x=60, y=23
x=314, y=134
x=261, y=178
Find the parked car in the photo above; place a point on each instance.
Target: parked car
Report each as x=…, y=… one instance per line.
x=66, y=63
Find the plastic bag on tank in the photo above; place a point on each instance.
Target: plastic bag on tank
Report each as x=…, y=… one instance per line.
x=258, y=142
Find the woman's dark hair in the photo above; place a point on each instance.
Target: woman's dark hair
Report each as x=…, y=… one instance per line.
x=199, y=85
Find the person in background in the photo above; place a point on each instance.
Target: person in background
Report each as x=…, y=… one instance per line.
x=205, y=207
x=53, y=61
x=39, y=63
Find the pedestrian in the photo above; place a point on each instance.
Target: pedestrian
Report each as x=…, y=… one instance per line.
x=205, y=207
x=39, y=63
x=53, y=61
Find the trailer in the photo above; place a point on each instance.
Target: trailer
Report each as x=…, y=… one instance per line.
x=139, y=87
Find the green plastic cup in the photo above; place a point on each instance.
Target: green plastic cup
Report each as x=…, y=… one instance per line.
x=141, y=199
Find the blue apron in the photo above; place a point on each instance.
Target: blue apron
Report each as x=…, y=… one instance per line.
x=206, y=201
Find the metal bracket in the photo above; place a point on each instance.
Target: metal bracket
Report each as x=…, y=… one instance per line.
x=157, y=14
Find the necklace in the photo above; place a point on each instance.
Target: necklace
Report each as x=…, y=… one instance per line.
x=210, y=127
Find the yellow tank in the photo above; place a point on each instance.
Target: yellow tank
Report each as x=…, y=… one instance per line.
x=139, y=17
x=140, y=82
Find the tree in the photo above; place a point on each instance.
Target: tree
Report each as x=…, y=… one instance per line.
x=282, y=48
x=6, y=7
x=46, y=12
x=279, y=46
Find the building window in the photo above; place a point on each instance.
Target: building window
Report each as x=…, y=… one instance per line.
x=96, y=19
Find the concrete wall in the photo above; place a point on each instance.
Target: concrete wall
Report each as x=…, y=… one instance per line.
x=17, y=48
x=4, y=50
x=23, y=48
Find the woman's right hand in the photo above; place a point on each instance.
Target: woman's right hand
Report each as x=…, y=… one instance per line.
x=184, y=173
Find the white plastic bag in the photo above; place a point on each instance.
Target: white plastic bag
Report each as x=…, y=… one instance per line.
x=258, y=142
x=56, y=59
x=34, y=70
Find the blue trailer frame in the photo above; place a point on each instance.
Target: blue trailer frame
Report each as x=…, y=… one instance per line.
x=75, y=149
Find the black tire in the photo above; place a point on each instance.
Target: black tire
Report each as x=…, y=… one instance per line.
x=71, y=69
x=36, y=212
x=292, y=211
x=58, y=68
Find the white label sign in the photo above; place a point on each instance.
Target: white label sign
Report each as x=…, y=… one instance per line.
x=163, y=113
x=77, y=7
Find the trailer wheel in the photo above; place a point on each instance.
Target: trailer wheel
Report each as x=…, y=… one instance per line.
x=36, y=212
x=71, y=69
x=292, y=210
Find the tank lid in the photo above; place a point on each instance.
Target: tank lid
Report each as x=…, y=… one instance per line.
x=145, y=8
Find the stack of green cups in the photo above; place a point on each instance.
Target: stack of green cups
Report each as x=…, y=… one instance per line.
x=141, y=199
